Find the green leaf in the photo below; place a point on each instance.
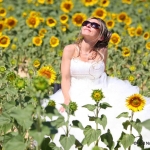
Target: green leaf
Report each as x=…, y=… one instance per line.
x=124, y=114
x=137, y=125
x=126, y=124
x=16, y=143
x=146, y=124
x=127, y=140
x=91, y=135
x=58, y=122
x=104, y=105
x=67, y=142
x=102, y=121
x=108, y=140
x=4, y=119
x=77, y=124
x=89, y=107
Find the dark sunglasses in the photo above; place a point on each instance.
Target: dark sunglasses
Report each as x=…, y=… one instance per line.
x=92, y=24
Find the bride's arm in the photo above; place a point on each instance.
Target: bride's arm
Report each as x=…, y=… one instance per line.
x=65, y=72
x=105, y=53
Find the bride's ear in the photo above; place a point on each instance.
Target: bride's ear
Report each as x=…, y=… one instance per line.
x=101, y=38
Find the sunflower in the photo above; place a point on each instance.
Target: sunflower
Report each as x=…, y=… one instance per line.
x=42, y=32
x=125, y=52
x=64, y=27
x=66, y=6
x=99, y=13
x=147, y=45
x=131, y=31
x=37, y=40
x=51, y=22
x=115, y=39
x=89, y=2
x=64, y=18
x=54, y=41
x=52, y=103
x=2, y=12
x=35, y=14
x=128, y=20
x=131, y=78
x=97, y=95
x=127, y=1
x=135, y=102
x=20, y=83
x=122, y=17
x=33, y=21
x=47, y=72
x=36, y=63
x=78, y=18
x=11, y=22
x=41, y=1
x=4, y=41
x=139, y=31
x=13, y=46
x=104, y=3
x=2, y=69
x=49, y=1
x=146, y=35
x=2, y=26
x=110, y=24
x=132, y=68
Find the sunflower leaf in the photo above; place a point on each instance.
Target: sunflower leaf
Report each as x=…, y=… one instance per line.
x=77, y=124
x=90, y=107
x=102, y=121
x=124, y=114
x=104, y=105
x=146, y=124
x=126, y=124
x=137, y=125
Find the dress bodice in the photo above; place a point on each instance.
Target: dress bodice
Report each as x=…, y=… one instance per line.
x=87, y=70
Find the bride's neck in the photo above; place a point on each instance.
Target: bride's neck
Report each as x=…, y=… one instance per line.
x=86, y=47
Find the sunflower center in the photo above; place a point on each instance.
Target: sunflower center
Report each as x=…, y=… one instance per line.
x=3, y=40
x=88, y=0
x=100, y=13
x=47, y=74
x=63, y=18
x=122, y=17
x=33, y=21
x=67, y=6
x=51, y=21
x=1, y=26
x=104, y=2
x=2, y=11
x=135, y=102
x=11, y=22
x=37, y=40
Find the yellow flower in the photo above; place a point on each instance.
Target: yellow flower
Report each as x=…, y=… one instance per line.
x=47, y=72
x=104, y=3
x=51, y=22
x=115, y=39
x=54, y=41
x=127, y=1
x=33, y=21
x=135, y=102
x=78, y=18
x=41, y=1
x=36, y=63
x=110, y=24
x=97, y=95
x=11, y=22
x=125, y=52
x=148, y=45
x=4, y=41
x=13, y=46
x=64, y=18
x=146, y=35
x=49, y=1
x=122, y=17
x=37, y=40
x=131, y=78
x=139, y=31
x=89, y=2
x=66, y=6
x=2, y=26
x=131, y=31
x=128, y=21
x=42, y=32
x=34, y=13
x=1, y=1
x=24, y=14
x=99, y=13
x=2, y=12
x=64, y=27
x=132, y=68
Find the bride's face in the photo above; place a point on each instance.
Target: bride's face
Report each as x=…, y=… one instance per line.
x=91, y=29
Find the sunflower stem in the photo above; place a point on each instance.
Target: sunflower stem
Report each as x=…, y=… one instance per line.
x=131, y=127
x=97, y=111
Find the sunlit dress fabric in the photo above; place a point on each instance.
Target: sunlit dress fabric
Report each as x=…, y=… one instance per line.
x=87, y=76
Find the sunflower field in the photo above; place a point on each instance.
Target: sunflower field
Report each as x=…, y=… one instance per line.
x=33, y=34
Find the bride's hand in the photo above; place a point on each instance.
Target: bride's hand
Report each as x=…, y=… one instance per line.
x=62, y=109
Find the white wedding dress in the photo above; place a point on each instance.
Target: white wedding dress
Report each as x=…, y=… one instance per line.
x=87, y=76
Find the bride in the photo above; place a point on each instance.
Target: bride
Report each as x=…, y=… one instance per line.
x=83, y=70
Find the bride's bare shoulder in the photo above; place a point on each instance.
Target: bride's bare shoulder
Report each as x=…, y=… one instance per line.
x=69, y=50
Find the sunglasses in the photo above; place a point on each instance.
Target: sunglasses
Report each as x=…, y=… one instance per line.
x=92, y=24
